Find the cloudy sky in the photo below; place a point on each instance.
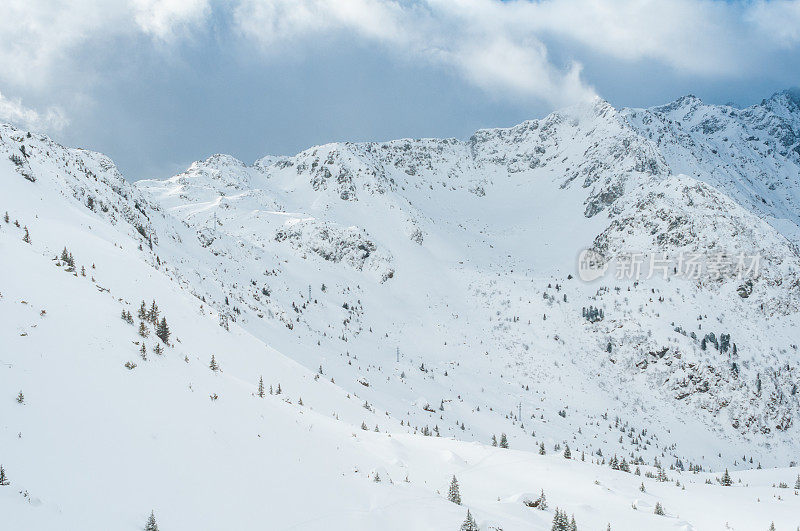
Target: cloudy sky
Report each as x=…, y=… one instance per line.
x=156, y=84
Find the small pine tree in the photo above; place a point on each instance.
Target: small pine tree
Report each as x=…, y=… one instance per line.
x=143, y=311
x=503, y=441
x=469, y=524
x=542, y=451
x=3, y=479
x=5, y=218
x=213, y=365
x=726, y=480
x=27, y=237
x=20, y=398
x=797, y=483
x=659, y=510
x=494, y=440
x=542, y=502
x=573, y=525
x=772, y=526
x=453, y=494
x=261, y=387
x=152, y=314
x=143, y=331
x=377, y=477
x=163, y=330
x=151, y=523
x=567, y=452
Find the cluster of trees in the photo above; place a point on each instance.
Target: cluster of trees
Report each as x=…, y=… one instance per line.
x=503, y=441
x=68, y=259
x=723, y=344
x=27, y=236
x=151, y=316
x=561, y=522
x=593, y=314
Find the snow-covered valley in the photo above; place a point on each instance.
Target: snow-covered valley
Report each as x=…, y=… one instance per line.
x=413, y=301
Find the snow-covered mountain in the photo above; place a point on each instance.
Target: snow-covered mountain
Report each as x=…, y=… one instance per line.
x=429, y=291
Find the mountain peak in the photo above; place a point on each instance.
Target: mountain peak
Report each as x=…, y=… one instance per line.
x=788, y=97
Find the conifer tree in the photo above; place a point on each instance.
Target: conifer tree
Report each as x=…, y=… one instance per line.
x=542, y=451
x=3, y=479
x=797, y=483
x=659, y=510
x=20, y=398
x=163, y=331
x=27, y=237
x=542, y=502
x=151, y=523
x=143, y=312
x=503, y=441
x=726, y=480
x=152, y=314
x=494, y=440
x=5, y=218
x=567, y=453
x=143, y=331
x=573, y=526
x=213, y=365
x=469, y=524
x=261, y=387
x=453, y=494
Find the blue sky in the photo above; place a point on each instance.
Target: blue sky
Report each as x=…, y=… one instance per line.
x=156, y=84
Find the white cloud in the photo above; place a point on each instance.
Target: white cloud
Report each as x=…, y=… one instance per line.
x=499, y=46
x=486, y=54
x=13, y=111
x=41, y=36
x=778, y=20
x=161, y=18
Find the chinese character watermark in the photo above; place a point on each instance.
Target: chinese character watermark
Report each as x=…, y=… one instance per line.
x=692, y=266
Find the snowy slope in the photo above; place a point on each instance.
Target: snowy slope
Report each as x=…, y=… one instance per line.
x=423, y=287
x=499, y=221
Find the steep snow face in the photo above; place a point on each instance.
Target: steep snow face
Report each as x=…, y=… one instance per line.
x=423, y=286
x=751, y=154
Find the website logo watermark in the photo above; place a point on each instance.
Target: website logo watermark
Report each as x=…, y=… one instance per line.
x=691, y=266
